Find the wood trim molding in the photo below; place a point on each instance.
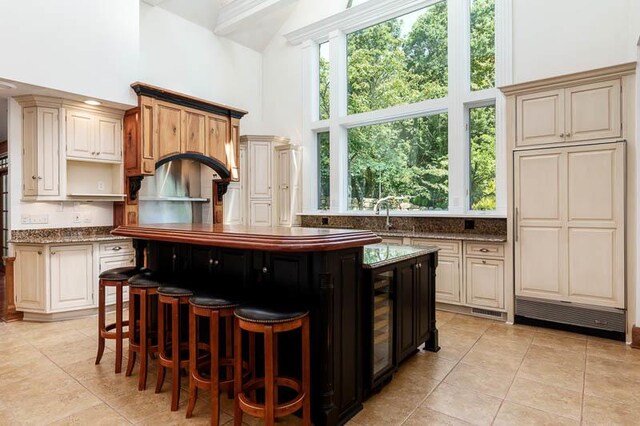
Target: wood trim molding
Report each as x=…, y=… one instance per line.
x=635, y=337
x=291, y=240
x=143, y=89
x=10, y=312
x=573, y=79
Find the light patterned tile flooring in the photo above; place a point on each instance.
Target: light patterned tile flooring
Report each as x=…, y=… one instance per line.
x=486, y=373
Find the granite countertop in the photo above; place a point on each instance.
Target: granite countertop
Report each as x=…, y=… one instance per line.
x=444, y=236
x=376, y=255
x=63, y=235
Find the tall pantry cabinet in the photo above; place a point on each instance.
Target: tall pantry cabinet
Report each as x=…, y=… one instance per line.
x=571, y=208
x=268, y=193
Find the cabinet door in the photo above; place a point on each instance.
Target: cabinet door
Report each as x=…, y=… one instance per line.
x=406, y=294
x=168, y=132
x=540, y=234
x=595, y=222
x=30, y=151
x=233, y=214
x=260, y=170
x=593, y=111
x=29, y=278
x=231, y=149
x=115, y=262
x=260, y=213
x=284, y=187
x=217, y=134
x=485, y=282
x=80, y=134
x=149, y=148
x=424, y=299
x=194, y=131
x=448, y=279
x=71, y=277
x=108, y=138
x=540, y=118
x=48, y=151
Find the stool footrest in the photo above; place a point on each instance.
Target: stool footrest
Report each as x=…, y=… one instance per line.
x=107, y=334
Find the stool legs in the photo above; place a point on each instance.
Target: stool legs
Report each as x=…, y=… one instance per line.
x=101, y=322
x=119, y=334
x=269, y=382
x=175, y=355
x=306, y=372
x=173, y=362
x=133, y=326
x=237, y=372
x=161, y=346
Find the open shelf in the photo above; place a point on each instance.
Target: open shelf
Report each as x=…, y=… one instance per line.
x=94, y=180
x=177, y=199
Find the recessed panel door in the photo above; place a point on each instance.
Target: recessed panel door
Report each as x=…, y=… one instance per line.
x=540, y=118
x=260, y=166
x=71, y=276
x=194, y=128
x=540, y=234
x=48, y=151
x=79, y=134
x=167, y=125
x=593, y=111
x=108, y=138
x=448, y=279
x=29, y=278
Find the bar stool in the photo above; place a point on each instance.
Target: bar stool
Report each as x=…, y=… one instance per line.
x=142, y=329
x=213, y=308
x=271, y=322
x=172, y=299
x=116, y=277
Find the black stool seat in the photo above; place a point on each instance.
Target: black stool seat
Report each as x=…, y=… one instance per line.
x=144, y=280
x=174, y=291
x=119, y=274
x=212, y=301
x=269, y=314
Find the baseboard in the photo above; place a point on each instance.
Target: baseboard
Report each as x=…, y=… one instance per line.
x=635, y=337
x=494, y=314
x=13, y=316
x=68, y=315
x=613, y=335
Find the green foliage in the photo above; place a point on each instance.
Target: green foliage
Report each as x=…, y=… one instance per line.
x=323, y=171
x=388, y=65
x=324, y=83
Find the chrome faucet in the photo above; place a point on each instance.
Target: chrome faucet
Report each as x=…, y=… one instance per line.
x=376, y=209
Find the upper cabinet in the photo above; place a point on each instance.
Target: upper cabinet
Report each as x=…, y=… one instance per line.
x=70, y=150
x=573, y=114
x=93, y=136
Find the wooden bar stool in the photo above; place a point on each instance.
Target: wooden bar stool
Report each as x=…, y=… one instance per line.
x=270, y=322
x=171, y=350
x=117, y=278
x=143, y=288
x=213, y=308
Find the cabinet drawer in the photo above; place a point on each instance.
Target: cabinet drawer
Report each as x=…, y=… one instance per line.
x=445, y=246
x=484, y=249
x=117, y=247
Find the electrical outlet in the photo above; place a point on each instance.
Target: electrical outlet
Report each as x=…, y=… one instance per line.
x=100, y=185
x=25, y=219
x=40, y=218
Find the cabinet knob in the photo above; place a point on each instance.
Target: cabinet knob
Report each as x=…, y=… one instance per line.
x=33, y=177
x=562, y=135
x=52, y=253
x=484, y=250
x=39, y=252
x=264, y=270
x=484, y=262
x=174, y=256
x=568, y=135
x=39, y=177
x=116, y=248
x=131, y=261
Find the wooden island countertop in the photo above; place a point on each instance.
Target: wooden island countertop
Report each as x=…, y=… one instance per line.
x=277, y=239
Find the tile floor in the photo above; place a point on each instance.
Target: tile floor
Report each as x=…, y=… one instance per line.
x=486, y=373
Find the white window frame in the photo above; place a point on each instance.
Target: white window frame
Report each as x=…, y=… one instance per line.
x=456, y=104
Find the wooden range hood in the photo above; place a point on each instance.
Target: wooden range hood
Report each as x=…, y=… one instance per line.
x=167, y=126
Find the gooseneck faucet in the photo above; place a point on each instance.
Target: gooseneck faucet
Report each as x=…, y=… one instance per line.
x=376, y=209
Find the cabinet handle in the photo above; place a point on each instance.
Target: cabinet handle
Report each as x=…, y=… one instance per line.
x=484, y=250
x=264, y=270
x=52, y=253
x=39, y=177
x=562, y=135
x=33, y=177
x=131, y=261
x=484, y=262
x=39, y=252
x=116, y=248
x=174, y=257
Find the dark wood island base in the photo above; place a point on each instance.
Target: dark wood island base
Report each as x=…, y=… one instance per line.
x=321, y=268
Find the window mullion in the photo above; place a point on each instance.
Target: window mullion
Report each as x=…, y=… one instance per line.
x=310, y=102
x=338, y=108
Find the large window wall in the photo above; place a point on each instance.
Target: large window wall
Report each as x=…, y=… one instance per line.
x=401, y=102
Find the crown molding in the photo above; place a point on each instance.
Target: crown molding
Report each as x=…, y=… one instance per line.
x=355, y=18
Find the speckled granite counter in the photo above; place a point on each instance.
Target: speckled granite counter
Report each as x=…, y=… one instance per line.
x=444, y=236
x=63, y=235
x=376, y=255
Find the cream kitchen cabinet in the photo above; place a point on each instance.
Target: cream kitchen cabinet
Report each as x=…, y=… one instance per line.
x=485, y=282
x=54, y=281
x=573, y=114
x=72, y=277
x=448, y=272
x=40, y=151
x=93, y=136
x=268, y=192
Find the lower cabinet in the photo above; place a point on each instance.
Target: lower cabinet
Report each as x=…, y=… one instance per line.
x=56, y=278
x=71, y=268
x=485, y=282
x=260, y=213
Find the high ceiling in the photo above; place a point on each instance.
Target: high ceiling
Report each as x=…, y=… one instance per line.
x=249, y=22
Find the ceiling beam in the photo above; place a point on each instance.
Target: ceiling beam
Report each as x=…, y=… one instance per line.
x=236, y=13
x=153, y=2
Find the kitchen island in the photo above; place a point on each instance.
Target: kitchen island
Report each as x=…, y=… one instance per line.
x=322, y=268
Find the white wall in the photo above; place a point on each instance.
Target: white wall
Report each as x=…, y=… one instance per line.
x=188, y=58
x=78, y=46
x=552, y=37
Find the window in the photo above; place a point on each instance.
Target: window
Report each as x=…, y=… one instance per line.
x=482, y=44
x=415, y=113
x=482, y=158
x=406, y=159
x=323, y=171
x=399, y=61
x=323, y=88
